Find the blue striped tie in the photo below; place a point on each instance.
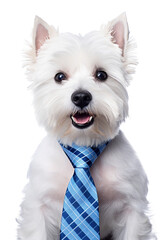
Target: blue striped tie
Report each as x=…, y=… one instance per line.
x=80, y=216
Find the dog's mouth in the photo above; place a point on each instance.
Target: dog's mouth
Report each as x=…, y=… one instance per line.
x=82, y=119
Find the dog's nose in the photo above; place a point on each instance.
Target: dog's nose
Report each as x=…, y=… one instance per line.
x=81, y=98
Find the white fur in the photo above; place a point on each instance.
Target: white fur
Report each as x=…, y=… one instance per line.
x=119, y=177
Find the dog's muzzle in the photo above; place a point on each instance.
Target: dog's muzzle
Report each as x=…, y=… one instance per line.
x=82, y=118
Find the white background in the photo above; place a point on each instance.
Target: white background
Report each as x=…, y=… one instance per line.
x=145, y=128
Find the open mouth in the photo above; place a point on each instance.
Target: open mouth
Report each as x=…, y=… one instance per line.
x=82, y=119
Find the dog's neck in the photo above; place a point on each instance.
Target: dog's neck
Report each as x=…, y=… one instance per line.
x=84, y=153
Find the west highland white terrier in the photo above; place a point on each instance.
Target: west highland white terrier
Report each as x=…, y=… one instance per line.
x=80, y=96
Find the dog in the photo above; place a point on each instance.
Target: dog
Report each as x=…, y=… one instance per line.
x=79, y=84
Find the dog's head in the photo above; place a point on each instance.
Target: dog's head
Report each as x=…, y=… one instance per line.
x=79, y=82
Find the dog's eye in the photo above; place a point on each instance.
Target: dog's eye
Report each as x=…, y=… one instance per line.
x=101, y=75
x=59, y=77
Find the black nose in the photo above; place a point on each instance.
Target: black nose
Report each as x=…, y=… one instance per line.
x=81, y=98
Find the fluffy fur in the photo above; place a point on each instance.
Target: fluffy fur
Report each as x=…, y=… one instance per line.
x=119, y=177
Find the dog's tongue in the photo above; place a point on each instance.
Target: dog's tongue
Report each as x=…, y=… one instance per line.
x=81, y=118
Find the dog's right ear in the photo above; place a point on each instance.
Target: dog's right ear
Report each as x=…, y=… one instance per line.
x=41, y=33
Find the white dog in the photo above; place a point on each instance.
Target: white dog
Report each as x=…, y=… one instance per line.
x=79, y=85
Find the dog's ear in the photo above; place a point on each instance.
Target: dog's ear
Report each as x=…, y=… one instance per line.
x=41, y=32
x=118, y=31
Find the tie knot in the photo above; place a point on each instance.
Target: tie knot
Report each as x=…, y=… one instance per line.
x=82, y=156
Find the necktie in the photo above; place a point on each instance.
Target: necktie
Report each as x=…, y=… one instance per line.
x=80, y=216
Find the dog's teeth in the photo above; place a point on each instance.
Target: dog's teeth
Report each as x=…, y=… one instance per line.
x=73, y=118
x=90, y=118
x=80, y=120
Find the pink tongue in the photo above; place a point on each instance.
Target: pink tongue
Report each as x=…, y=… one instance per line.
x=82, y=119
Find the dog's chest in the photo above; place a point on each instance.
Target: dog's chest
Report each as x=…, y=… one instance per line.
x=61, y=171
x=52, y=169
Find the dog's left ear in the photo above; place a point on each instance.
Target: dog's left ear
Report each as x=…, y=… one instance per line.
x=118, y=31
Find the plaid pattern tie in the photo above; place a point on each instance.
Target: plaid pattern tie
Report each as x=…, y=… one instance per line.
x=80, y=216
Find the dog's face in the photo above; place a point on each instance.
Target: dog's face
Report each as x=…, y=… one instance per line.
x=79, y=82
